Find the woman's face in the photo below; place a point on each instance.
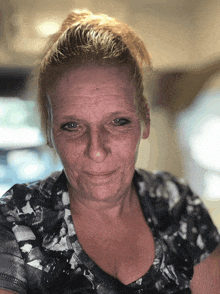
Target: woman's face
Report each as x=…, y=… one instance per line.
x=95, y=129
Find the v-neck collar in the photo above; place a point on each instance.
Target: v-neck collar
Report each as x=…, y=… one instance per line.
x=92, y=267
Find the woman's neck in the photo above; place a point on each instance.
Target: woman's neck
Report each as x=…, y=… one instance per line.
x=111, y=208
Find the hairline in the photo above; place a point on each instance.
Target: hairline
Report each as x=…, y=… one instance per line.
x=68, y=68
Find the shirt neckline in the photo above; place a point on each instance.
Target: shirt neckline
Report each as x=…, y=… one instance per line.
x=100, y=274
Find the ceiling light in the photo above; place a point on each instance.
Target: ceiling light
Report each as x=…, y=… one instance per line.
x=48, y=28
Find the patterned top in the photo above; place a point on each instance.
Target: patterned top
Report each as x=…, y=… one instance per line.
x=40, y=252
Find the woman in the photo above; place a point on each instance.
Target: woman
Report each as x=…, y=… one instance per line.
x=100, y=226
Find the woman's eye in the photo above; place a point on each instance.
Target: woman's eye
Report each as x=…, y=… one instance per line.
x=121, y=121
x=72, y=126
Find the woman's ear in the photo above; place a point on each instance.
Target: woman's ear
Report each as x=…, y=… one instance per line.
x=146, y=130
x=49, y=131
x=50, y=134
x=146, y=124
x=49, y=141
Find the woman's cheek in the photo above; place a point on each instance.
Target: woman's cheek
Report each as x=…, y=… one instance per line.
x=65, y=146
x=126, y=145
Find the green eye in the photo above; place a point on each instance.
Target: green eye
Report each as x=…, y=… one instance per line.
x=121, y=121
x=71, y=126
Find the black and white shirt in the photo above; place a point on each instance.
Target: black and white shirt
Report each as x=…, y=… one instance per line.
x=40, y=252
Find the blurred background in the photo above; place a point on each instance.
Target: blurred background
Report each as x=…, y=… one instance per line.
x=183, y=38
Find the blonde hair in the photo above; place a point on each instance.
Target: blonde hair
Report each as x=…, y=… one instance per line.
x=85, y=38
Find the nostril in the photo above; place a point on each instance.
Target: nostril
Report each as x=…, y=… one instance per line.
x=98, y=155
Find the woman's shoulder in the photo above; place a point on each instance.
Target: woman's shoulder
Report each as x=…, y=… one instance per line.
x=169, y=193
x=20, y=191
x=22, y=199
x=178, y=212
x=160, y=185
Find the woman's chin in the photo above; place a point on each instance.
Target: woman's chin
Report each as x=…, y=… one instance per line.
x=101, y=186
x=100, y=191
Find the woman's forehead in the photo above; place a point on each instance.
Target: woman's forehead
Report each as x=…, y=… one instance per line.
x=93, y=93
x=90, y=80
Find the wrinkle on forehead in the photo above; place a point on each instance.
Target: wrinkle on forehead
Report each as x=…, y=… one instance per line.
x=60, y=101
x=102, y=90
x=105, y=104
x=94, y=90
x=95, y=78
x=94, y=85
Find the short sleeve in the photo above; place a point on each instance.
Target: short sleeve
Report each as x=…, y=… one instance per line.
x=197, y=227
x=192, y=218
x=179, y=214
x=12, y=269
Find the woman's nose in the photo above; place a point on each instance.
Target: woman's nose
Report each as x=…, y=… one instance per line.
x=97, y=151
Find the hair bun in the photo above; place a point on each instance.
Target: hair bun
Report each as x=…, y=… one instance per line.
x=104, y=23
x=75, y=17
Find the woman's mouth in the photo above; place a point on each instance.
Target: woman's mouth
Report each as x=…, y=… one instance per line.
x=99, y=177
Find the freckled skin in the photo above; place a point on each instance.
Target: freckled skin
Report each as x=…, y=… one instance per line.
x=94, y=97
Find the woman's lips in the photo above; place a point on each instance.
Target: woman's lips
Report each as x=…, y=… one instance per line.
x=99, y=176
x=99, y=173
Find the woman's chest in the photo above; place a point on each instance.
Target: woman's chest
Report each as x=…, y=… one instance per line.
x=125, y=252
